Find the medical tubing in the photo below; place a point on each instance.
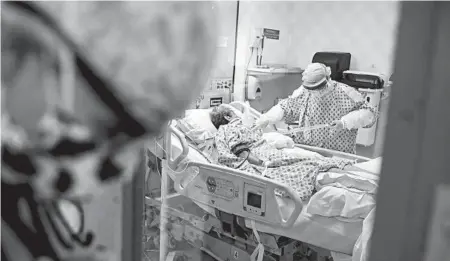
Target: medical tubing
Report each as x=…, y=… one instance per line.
x=249, y=60
x=293, y=132
x=246, y=72
x=262, y=49
x=246, y=158
x=303, y=129
x=236, y=31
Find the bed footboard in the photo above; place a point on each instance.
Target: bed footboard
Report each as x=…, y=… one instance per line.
x=237, y=192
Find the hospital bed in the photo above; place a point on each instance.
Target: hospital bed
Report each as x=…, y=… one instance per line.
x=231, y=214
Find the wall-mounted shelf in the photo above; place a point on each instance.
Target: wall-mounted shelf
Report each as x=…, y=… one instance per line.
x=265, y=74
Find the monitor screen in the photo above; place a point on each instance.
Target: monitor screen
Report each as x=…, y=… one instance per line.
x=254, y=200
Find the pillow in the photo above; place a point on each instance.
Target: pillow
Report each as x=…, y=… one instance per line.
x=199, y=119
x=197, y=126
x=195, y=133
x=236, y=111
x=200, y=130
x=201, y=138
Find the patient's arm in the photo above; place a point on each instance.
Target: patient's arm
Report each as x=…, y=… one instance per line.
x=225, y=156
x=233, y=143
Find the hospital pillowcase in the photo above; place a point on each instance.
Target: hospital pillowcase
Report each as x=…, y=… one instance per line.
x=197, y=126
x=202, y=138
x=200, y=120
x=196, y=134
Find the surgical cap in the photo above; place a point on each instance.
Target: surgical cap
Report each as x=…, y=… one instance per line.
x=315, y=74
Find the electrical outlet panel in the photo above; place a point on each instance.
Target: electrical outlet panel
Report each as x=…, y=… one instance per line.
x=218, y=84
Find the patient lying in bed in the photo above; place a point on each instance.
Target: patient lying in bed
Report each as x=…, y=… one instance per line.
x=242, y=148
x=334, y=188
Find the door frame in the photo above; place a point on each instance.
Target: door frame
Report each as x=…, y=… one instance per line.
x=132, y=213
x=416, y=156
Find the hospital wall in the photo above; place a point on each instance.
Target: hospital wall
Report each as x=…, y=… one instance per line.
x=225, y=12
x=219, y=83
x=365, y=29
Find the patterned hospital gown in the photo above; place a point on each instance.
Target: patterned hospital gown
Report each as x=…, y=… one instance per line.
x=297, y=173
x=322, y=107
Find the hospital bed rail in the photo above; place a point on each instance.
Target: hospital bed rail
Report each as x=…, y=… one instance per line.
x=230, y=190
x=254, y=199
x=235, y=191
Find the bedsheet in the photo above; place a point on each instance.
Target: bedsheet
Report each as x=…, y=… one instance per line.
x=362, y=245
x=344, y=194
x=342, y=234
x=298, y=173
x=335, y=233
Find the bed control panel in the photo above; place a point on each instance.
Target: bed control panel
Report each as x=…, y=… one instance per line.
x=221, y=187
x=254, y=199
x=235, y=192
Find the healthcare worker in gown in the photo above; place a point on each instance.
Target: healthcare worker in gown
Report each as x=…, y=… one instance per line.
x=321, y=100
x=84, y=85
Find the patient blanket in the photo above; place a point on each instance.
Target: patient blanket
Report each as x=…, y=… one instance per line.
x=299, y=173
x=348, y=195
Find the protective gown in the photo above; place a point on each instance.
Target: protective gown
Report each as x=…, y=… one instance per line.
x=336, y=101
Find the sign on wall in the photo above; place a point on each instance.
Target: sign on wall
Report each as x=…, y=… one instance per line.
x=271, y=34
x=215, y=101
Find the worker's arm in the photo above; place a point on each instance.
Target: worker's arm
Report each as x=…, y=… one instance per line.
x=364, y=115
x=292, y=105
x=287, y=109
x=274, y=115
x=297, y=92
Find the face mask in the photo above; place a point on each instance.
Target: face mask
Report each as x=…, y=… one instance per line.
x=318, y=88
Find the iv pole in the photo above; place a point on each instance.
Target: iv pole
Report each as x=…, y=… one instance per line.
x=163, y=240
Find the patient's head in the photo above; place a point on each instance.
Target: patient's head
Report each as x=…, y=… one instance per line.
x=221, y=115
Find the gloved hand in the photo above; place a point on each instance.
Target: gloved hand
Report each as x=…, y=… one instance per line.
x=338, y=125
x=261, y=123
